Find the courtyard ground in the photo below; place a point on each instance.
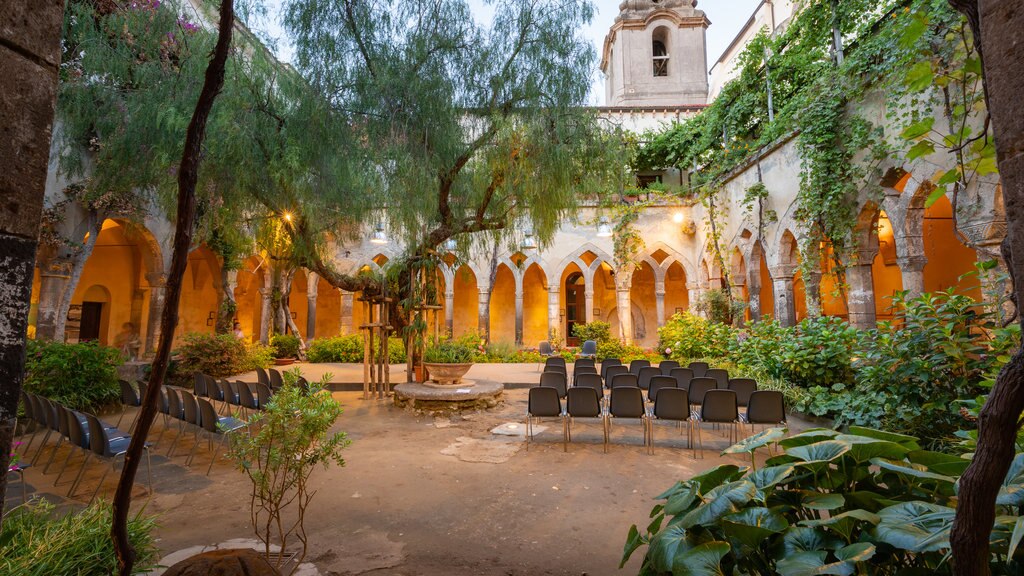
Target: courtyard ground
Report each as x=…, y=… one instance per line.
x=430, y=496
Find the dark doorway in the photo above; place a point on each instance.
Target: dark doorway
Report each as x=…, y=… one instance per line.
x=575, y=306
x=92, y=315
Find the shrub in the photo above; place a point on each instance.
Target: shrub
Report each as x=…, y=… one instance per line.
x=449, y=352
x=716, y=306
x=867, y=502
x=285, y=345
x=687, y=335
x=79, y=376
x=292, y=438
x=35, y=541
x=819, y=352
x=349, y=349
x=216, y=355
x=598, y=331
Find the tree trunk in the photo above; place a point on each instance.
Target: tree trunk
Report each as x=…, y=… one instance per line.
x=29, y=52
x=226, y=305
x=188, y=175
x=999, y=34
x=78, y=261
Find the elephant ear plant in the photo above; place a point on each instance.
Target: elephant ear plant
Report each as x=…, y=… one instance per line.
x=288, y=440
x=865, y=502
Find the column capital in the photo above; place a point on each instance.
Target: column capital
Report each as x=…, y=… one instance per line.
x=782, y=272
x=864, y=257
x=912, y=263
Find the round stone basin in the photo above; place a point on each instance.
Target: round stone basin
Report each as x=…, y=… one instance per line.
x=446, y=399
x=447, y=374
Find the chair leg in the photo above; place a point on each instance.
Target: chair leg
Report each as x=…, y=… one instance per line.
x=71, y=452
x=213, y=457
x=42, y=445
x=81, y=473
x=565, y=434
x=607, y=432
x=113, y=464
x=124, y=408
x=192, y=453
x=529, y=431
x=174, y=442
x=60, y=443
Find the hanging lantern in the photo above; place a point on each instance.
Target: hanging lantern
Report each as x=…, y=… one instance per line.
x=604, y=228
x=449, y=245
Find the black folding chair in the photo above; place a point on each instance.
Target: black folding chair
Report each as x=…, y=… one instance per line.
x=699, y=369
x=543, y=402
x=672, y=405
x=682, y=377
x=612, y=372
x=666, y=367
x=643, y=379
x=582, y=402
x=718, y=407
x=721, y=376
x=743, y=387
x=625, y=403
x=636, y=365
x=608, y=363
x=554, y=380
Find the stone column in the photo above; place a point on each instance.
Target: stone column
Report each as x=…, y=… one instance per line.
x=912, y=271
x=53, y=280
x=861, y=297
x=484, y=312
x=693, y=295
x=588, y=296
x=785, y=306
x=449, y=311
x=345, y=322
x=625, y=313
x=812, y=293
x=737, y=295
x=266, y=311
x=553, y=318
x=312, y=284
x=157, y=298
x=659, y=301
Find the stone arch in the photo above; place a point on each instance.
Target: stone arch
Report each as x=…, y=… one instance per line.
x=534, y=285
x=576, y=257
x=465, y=299
x=503, y=303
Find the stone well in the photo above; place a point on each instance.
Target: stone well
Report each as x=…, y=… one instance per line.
x=434, y=399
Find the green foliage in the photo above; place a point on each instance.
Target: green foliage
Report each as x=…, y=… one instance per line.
x=79, y=376
x=450, y=352
x=36, y=541
x=217, y=355
x=687, y=335
x=865, y=502
x=598, y=331
x=349, y=349
x=285, y=345
x=291, y=438
x=716, y=306
x=819, y=352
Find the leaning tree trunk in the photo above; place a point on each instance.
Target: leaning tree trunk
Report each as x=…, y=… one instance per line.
x=29, y=52
x=188, y=175
x=226, y=304
x=77, y=267
x=999, y=36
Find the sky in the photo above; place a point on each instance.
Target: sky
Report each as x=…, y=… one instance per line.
x=726, y=16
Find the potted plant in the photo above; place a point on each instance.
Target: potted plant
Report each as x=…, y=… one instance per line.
x=447, y=361
x=286, y=348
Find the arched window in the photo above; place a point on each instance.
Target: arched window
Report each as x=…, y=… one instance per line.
x=659, y=51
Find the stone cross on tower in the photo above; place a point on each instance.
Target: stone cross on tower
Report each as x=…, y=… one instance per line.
x=655, y=54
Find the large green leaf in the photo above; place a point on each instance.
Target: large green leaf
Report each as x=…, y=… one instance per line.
x=725, y=499
x=633, y=541
x=917, y=130
x=809, y=436
x=761, y=439
x=903, y=439
x=921, y=148
x=913, y=470
x=938, y=462
x=807, y=539
x=752, y=526
x=845, y=523
x=813, y=563
x=819, y=454
x=915, y=526
x=717, y=476
x=864, y=448
x=770, y=476
x=664, y=547
x=682, y=500
x=820, y=500
x=679, y=485
x=702, y=560
x=919, y=76
x=1011, y=493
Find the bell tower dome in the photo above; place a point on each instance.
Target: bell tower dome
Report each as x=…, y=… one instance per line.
x=655, y=55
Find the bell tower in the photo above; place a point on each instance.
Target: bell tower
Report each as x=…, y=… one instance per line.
x=655, y=55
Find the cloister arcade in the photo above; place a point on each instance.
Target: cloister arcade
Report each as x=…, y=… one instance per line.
x=522, y=298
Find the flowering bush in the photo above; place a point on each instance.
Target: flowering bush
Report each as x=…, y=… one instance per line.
x=687, y=336
x=79, y=376
x=217, y=355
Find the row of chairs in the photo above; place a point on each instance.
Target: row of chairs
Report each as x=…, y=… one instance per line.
x=717, y=406
x=247, y=397
x=195, y=412
x=83, y=434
